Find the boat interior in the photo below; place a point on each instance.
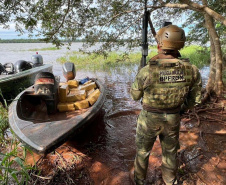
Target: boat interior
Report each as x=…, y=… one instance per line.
x=33, y=108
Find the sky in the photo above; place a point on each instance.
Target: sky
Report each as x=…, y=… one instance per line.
x=12, y=34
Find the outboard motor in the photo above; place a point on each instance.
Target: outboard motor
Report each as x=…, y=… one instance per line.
x=2, y=69
x=69, y=70
x=22, y=65
x=46, y=86
x=37, y=60
x=8, y=68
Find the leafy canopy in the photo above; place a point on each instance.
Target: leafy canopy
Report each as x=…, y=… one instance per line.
x=113, y=22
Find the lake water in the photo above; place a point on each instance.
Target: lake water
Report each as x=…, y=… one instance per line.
x=11, y=52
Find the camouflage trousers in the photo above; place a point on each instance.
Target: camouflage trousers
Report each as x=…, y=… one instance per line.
x=149, y=126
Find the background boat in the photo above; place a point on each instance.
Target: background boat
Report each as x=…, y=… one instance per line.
x=11, y=85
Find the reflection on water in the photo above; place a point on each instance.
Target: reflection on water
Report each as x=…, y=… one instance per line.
x=205, y=74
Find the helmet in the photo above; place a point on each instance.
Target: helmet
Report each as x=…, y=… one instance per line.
x=171, y=37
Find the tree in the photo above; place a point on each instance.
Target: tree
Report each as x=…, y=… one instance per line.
x=215, y=83
x=216, y=31
x=114, y=22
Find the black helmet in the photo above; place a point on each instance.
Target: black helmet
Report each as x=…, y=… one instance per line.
x=22, y=65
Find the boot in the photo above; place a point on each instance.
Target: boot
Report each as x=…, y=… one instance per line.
x=133, y=180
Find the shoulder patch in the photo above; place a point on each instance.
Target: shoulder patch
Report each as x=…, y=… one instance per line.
x=171, y=76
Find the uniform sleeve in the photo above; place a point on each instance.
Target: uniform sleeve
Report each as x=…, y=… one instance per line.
x=194, y=95
x=136, y=90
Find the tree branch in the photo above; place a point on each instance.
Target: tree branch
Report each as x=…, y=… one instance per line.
x=187, y=4
x=124, y=12
x=205, y=9
x=152, y=27
x=169, y=5
x=62, y=23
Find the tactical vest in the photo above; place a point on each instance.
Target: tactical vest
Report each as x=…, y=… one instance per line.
x=169, y=83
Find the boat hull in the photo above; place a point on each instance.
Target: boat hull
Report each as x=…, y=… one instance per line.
x=12, y=85
x=43, y=133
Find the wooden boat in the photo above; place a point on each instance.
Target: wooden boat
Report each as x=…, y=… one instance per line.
x=42, y=132
x=11, y=85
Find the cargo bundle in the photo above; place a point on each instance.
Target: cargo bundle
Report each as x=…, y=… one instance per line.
x=76, y=96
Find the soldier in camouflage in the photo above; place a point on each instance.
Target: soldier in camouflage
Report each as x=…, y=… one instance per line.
x=166, y=85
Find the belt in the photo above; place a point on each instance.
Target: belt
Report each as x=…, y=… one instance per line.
x=156, y=110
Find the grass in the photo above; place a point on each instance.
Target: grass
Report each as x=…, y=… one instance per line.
x=13, y=169
x=4, y=123
x=44, y=49
x=197, y=55
x=94, y=61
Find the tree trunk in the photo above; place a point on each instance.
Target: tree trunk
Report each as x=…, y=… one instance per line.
x=218, y=83
x=212, y=75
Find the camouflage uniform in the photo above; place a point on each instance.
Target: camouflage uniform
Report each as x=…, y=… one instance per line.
x=164, y=86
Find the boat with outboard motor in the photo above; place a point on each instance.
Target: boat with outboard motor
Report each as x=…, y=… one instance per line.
x=16, y=77
x=39, y=119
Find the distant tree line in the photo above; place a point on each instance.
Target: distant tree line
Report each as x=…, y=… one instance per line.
x=20, y=41
x=30, y=41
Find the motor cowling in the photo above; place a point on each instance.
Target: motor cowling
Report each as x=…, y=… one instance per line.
x=37, y=60
x=22, y=65
x=8, y=68
x=2, y=69
x=69, y=70
x=46, y=87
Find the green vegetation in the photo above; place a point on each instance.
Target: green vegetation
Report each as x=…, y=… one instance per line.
x=4, y=124
x=94, y=61
x=13, y=169
x=44, y=49
x=198, y=55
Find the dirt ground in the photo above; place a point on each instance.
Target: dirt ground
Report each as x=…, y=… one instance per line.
x=105, y=158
